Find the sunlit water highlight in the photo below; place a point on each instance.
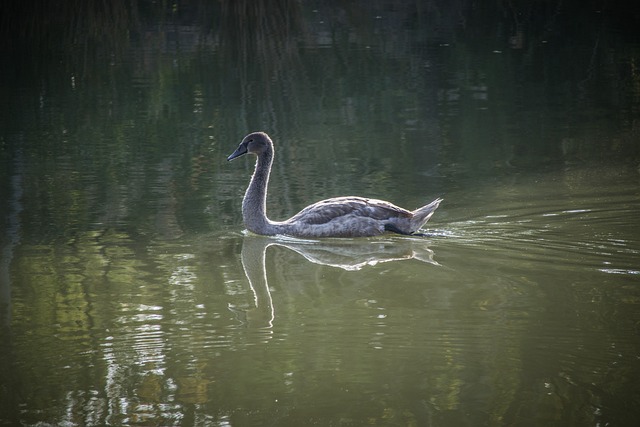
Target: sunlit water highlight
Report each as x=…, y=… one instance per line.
x=279, y=323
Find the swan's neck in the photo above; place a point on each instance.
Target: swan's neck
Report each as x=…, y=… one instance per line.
x=254, y=205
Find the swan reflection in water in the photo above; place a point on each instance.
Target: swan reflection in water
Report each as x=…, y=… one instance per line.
x=348, y=255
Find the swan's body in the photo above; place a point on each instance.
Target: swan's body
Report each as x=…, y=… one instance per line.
x=337, y=217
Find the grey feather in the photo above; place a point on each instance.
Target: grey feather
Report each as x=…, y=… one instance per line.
x=336, y=217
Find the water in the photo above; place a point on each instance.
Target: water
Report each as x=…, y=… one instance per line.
x=130, y=294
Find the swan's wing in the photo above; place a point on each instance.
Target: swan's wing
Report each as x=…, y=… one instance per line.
x=327, y=210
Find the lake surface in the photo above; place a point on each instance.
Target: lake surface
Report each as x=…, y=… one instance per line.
x=130, y=293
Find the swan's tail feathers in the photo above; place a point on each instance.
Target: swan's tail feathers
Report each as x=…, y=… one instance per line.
x=422, y=215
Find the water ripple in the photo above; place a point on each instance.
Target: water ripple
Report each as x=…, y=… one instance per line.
x=595, y=238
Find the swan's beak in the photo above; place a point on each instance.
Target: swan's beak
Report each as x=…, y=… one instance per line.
x=242, y=150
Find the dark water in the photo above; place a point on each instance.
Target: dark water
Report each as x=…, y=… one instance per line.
x=130, y=294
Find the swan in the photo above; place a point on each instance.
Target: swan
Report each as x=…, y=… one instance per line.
x=336, y=217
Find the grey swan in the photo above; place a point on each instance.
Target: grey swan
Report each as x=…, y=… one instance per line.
x=336, y=217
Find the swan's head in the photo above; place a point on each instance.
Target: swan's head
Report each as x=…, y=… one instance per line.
x=254, y=143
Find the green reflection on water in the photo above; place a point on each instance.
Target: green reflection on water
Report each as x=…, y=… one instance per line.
x=129, y=295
